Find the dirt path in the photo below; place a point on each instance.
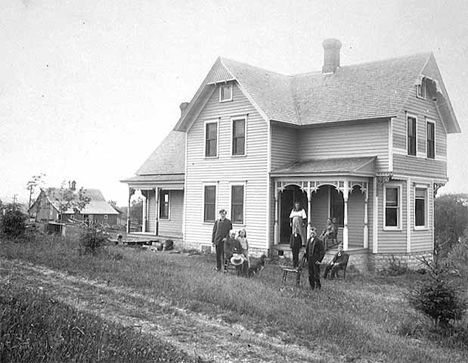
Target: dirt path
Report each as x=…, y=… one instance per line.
x=194, y=333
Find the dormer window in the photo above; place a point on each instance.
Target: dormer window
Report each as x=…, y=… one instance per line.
x=225, y=93
x=421, y=88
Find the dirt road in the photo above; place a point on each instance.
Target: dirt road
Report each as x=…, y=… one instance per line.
x=196, y=334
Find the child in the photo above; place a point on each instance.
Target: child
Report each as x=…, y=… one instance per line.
x=231, y=246
x=245, y=247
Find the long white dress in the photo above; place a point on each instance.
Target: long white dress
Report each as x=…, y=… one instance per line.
x=298, y=217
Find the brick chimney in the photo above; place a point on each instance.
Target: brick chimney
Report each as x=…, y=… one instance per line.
x=73, y=185
x=183, y=106
x=331, y=55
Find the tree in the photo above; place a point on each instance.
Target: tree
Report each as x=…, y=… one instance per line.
x=35, y=182
x=136, y=210
x=13, y=223
x=71, y=199
x=450, y=220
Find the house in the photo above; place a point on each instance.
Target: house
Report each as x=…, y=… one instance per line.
x=47, y=207
x=365, y=143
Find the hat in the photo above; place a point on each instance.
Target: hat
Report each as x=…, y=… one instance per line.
x=237, y=260
x=222, y=211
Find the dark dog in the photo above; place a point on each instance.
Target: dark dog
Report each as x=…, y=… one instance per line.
x=257, y=267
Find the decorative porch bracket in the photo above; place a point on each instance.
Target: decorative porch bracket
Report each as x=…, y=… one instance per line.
x=436, y=187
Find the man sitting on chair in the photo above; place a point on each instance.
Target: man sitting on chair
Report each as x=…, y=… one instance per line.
x=338, y=262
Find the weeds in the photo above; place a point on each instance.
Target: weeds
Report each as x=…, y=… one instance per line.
x=36, y=328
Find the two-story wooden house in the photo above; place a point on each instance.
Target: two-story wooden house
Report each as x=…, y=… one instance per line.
x=365, y=144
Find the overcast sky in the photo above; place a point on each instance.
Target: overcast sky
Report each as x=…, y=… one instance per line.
x=89, y=88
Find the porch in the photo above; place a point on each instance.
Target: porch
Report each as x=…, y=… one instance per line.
x=330, y=188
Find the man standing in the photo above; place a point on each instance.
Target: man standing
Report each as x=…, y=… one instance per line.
x=338, y=263
x=314, y=255
x=221, y=230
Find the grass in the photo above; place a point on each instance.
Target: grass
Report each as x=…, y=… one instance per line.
x=360, y=318
x=36, y=328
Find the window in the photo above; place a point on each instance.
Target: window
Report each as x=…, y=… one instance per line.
x=209, y=214
x=421, y=89
x=420, y=195
x=430, y=140
x=392, y=206
x=411, y=135
x=164, y=204
x=211, y=139
x=238, y=137
x=105, y=216
x=225, y=93
x=237, y=204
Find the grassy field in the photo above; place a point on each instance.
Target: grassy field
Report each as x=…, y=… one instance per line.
x=37, y=328
x=361, y=319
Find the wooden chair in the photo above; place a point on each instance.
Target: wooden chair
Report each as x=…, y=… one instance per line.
x=297, y=272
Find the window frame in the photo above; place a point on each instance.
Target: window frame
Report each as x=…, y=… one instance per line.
x=205, y=140
x=427, y=139
x=408, y=116
x=215, y=186
x=421, y=89
x=161, y=203
x=231, y=206
x=399, y=225
x=233, y=120
x=426, y=208
x=221, y=88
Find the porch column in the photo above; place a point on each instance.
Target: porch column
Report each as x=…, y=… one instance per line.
x=276, y=230
x=345, y=218
x=130, y=192
x=366, y=221
x=156, y=222
x=309, y=209
x=144, y=212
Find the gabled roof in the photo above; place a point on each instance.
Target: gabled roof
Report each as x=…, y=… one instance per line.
x=355, y=166
x=96, y=205
x=166, y=163
x=363, y=91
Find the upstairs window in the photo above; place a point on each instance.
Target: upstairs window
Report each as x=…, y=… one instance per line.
x=238, y=137
x=420, y=195
x=209, y=203
x=164, y=204
x=225, y=93
x=411, y=135
x=430, y=142
x=392, y=207
x=211, y=139
x=237, y=204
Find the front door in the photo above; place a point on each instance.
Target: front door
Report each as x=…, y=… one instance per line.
x=289, y=195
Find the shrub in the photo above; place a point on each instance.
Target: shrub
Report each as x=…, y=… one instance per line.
x=395, y=267
x=92, y=239
x=13, y=223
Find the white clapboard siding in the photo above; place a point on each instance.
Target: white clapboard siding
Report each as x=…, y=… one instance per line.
x=173, y=225
x=226, y=169
x=284, y=146
x=356, y=218
x=350, y=140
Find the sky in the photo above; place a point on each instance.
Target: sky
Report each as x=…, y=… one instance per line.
x=89, y=88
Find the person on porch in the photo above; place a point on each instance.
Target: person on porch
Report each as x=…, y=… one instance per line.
x=338, y=262
x=299, y=216
x=314, y=255
x=221, y=230
x=330, y=232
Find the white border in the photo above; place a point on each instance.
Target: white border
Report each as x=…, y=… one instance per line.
x=169, y=195
x=233, y=119
x=406, y=138
x=426, y=207
x=205, y=123
x=227, y=85
x=400, y=214
x=242, y=184
x=209, y=184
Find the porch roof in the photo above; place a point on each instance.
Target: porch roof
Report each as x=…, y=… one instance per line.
x=340, y=166
x=155, y=178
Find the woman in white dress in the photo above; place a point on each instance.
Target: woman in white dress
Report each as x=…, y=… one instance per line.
x=298, y=218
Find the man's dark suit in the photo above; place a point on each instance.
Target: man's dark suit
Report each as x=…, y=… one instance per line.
x=339, y=261
x=221, y=230
x=314, y=253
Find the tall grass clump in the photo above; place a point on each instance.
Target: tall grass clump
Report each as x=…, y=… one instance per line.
x=92, y=238
x=36, y=328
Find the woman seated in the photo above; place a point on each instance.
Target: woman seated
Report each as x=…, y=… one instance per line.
x=231, y=246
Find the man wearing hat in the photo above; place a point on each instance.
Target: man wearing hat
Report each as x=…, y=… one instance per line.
x=340, y=260
x=221, y=230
